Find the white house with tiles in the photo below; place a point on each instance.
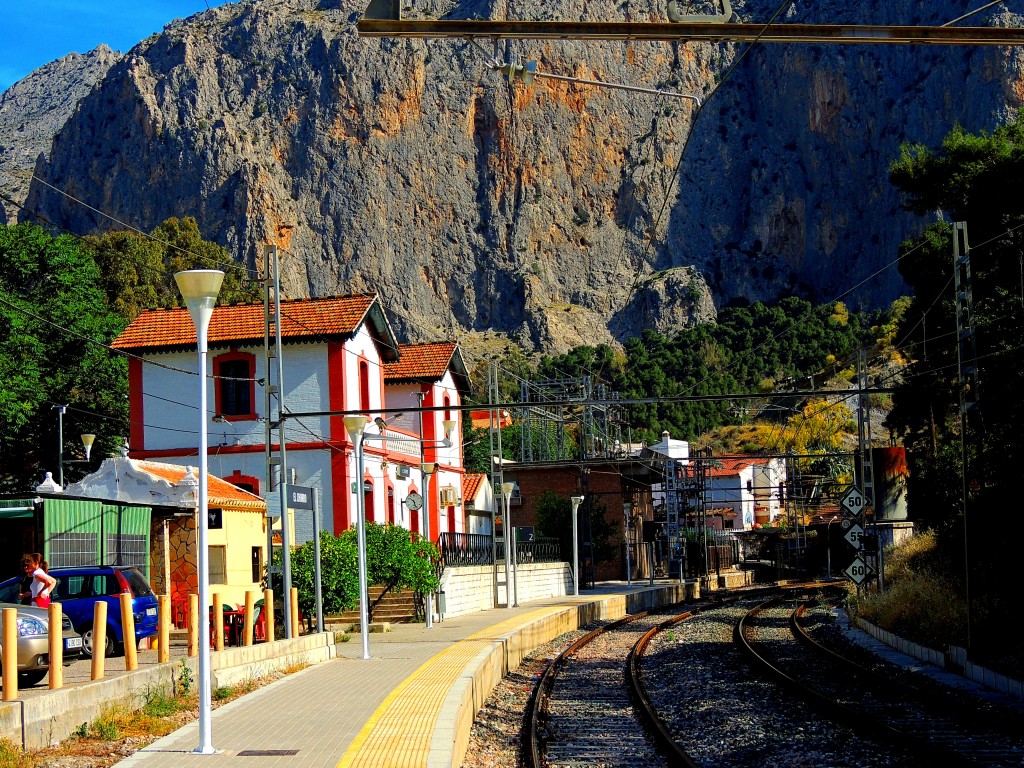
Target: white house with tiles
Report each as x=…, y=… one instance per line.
x=339, y=355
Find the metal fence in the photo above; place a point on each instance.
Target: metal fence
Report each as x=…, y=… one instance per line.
x=722, y=551
x=475, y=549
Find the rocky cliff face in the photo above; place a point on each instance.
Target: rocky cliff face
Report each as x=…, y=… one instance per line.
x=552, y=213
x=34, y=109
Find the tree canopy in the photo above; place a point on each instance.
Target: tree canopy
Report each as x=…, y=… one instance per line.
x=62, y=300
x=138, y=271
x=54, y=323
x=972, y=179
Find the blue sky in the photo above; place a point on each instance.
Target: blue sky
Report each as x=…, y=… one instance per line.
x=34, y=32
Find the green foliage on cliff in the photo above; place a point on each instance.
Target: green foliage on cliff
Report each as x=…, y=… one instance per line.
x=749, y=349
x=138, y=271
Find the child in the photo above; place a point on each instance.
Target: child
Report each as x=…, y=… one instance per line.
x=42, y=583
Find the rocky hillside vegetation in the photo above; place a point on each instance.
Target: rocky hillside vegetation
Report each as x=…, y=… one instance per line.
x=554, y=214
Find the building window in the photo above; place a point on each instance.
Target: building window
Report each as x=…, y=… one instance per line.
x=218, y=565
x=364, y=386
x=235, y=391
x=248, y=483
x=257, y=564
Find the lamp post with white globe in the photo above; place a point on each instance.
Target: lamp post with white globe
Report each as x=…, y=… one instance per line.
x=199, y=288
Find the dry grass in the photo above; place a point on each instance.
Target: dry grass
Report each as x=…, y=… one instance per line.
x=920, y=602
x=120, y=731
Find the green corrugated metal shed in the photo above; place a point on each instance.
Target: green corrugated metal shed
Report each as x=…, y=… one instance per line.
x=88, y=531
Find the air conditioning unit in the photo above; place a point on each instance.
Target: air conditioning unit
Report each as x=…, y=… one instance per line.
x=448, y=496
x=401, y=471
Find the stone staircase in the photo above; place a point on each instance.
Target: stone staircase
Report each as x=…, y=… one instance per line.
x=386, y=606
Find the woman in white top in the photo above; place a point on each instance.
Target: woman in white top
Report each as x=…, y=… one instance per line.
x=42, y=582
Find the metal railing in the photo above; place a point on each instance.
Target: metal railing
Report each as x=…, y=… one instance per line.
x=464, y=549
x=475, y=549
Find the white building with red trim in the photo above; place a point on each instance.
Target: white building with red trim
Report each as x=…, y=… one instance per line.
x=742, y=492
x=339, y=355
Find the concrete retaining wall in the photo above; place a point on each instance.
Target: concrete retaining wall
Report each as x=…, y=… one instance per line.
x=41, y=721
x=468, y=589
x=955, y=659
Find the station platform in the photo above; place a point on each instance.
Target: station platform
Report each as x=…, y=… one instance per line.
x=410, y=705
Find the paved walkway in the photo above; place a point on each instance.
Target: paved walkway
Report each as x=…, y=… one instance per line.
x=379, y=712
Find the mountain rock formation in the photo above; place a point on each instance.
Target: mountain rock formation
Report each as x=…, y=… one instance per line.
x=34, y=109
x=556, y=214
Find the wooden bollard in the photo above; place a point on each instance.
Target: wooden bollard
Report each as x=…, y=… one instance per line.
x=193, y=625
x=293, y=605
x=268, y=606
x=10, y=654
x=163, y=641
x=218, y=623
x=131, y=651
x=55, y=634
x=99, y=639
x=250, y=602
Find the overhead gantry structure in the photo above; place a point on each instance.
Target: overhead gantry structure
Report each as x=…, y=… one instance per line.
x=383, y=18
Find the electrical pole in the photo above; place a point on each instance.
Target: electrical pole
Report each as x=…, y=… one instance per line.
x=272, y=326
x=971, y=424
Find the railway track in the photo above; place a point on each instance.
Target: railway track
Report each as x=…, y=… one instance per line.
x=673, y=689
x=877, y=702
x=588, y=719
x=591, y=706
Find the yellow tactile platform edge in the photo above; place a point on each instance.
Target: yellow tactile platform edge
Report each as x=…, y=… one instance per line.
x=399, y=732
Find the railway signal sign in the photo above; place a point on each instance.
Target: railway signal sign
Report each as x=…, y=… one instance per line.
x=858, y=571
x=854, y=535
x=853, y=502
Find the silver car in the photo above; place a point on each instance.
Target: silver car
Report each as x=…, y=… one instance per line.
x=34, y=643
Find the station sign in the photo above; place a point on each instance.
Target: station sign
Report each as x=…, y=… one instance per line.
x=300, y=497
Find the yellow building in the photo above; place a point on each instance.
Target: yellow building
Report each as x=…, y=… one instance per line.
x=237, y=528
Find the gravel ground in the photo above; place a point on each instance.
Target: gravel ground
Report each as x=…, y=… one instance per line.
x=494, y=741
x=726, y=717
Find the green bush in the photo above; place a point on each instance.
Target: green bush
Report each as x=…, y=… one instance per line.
x=395, y=558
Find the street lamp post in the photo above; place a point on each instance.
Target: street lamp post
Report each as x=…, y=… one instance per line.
x=576, y=501
x=427, y=468
x=355, y=425
x=627, y=509
x=506, y=500
x=87, y=441
x=199, y=289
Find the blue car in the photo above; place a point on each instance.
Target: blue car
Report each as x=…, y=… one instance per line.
x=79, y=588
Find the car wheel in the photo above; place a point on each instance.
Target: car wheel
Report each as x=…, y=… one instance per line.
x=111, y=644
x=28, y=679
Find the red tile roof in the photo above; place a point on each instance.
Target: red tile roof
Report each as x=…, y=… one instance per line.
x=236, y=323
x=221, y=493
x=482, y=419
x=727, y=467
x=471, y=486
x=421, y=361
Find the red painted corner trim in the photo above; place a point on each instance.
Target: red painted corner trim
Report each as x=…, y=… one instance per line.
x=136, y=406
